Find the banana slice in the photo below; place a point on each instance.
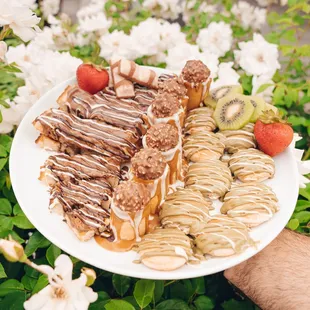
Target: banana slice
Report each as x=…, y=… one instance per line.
x=250, y=203
x=221, y=236
x=165, y=249
x=252, y=165
x=183, y=208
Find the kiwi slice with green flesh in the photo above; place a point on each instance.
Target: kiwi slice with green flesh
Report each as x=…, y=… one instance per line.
x=233, y=112
x=269, y=106
x=219, y=92
x=259, y=105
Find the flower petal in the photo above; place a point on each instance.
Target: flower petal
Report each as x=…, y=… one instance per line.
x=39, y=300
x=63, y=267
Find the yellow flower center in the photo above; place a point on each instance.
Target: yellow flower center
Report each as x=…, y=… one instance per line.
x=60, y=293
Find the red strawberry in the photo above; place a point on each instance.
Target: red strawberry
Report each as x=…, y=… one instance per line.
x=92, y=78
x=273, y=135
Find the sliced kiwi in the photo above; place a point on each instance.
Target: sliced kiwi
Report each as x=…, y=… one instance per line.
x=269, y=106
x=233, y=112
x=219, y=92
x=259, y=105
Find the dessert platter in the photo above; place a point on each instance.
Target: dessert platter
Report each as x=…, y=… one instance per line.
x=153, y=174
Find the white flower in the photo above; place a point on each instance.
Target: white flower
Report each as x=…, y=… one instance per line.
x=258, y=81
x=204, y=7
x=216, y=38
x=97, y=22
x=3, y=50
x=93, y=8
x=31, y=4
x=146, y=37
x=50, y=7
x=116, y=43
x=170, y=35
x=303, y=166
x=178, y=55
x=19, y=18
x=249, y=15
x=226, y=75
x=164, y=8
x=62, y=292
x=258, y=56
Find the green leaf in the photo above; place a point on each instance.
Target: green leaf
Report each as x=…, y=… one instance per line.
x=179, y=290
x=13, y=301
x=15, y=236
x=17, y=209
x=263, y=87
x=204, y=303
x=3, y=161
x=35, y=242
x=302, y=216
x=6, y=223
x=199, y=285
x=290, y=35
x=117, y=304
x=10, y=286
x=3, y=176
x=103, y=299
x=5, y=207
x=3, y=152
x=28, y=282
x=121, y=284
x=305, y=192
x=302, y=205
x=6, y=142
x=143, y=292
x=2, y=272
x=173, y=304
x=158, y=290
x=233, y=304
x=4, y=103
x=52, y=253
x=293, y=224
x=278, y=94
x=22, y=222
x=41, y=283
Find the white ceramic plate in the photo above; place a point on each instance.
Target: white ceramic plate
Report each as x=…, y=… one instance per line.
x=26, y=159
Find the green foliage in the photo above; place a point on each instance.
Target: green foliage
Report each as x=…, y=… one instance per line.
x=291, y=94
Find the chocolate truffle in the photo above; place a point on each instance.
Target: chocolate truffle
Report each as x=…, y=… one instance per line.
x=163, y=137
x=174, y=87
x=148, y=164
x=165, y=105
x=131, y=197
x=195, y=71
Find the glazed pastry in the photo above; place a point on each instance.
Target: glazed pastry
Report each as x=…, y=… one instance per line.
x=183, y=208
x=144, y=96
x=176, y=88
x=130, y=210
x=165, y=249
x=250, y=203
x=73, y=135
x=166, y=139
x=203, y=146
x=64, y=168
x=123, y=87
x=196, y=77
x=212, y=178
x=252, y=165
x=126, y=114
x=199, y=120
x=240, y=139
x=85, y=205
x=221, y=237
x=166, y=109
x=149, y=167
x=139, y=74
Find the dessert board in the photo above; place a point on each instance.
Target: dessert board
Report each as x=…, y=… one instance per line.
x=27, y=158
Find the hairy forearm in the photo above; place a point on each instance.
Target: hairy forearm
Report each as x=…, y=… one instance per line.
x=279, y=276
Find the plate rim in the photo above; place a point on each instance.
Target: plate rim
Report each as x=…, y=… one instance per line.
x=133, y=273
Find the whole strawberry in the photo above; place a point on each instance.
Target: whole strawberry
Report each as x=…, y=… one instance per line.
x=273, y=134
x=92, y=78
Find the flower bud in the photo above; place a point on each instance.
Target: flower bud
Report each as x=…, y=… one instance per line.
x=12, y=251
x=90, y=274
x=3, y=50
